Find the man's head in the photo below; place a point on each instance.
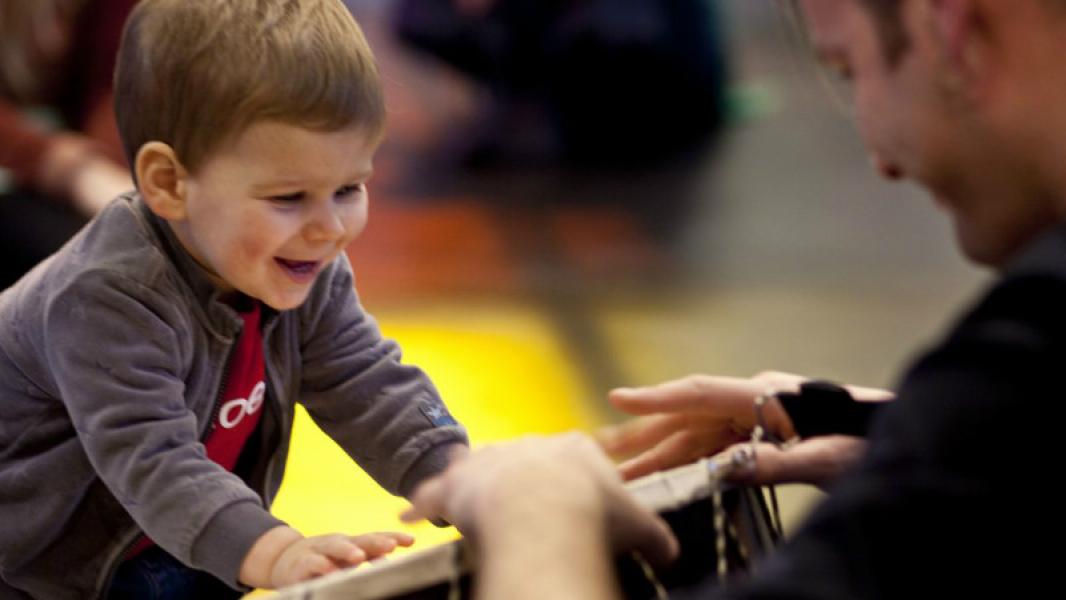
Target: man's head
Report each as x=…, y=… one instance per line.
x=963, y=96
x=251, y=127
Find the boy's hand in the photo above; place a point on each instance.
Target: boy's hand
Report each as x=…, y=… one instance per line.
x=315, y=556
x=282, y=556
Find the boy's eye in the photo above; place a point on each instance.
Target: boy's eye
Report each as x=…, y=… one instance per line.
x=288, y=198
x=348, y=190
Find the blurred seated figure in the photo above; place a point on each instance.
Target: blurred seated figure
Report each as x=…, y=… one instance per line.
x=59, y=152
x=604, y=83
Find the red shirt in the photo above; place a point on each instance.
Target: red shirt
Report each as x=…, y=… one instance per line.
x=237, y=416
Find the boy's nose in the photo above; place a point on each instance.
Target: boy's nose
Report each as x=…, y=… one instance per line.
x=326, y=225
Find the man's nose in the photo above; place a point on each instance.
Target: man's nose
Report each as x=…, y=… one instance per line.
x=887, y=169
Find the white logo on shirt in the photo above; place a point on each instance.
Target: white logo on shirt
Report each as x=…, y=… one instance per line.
x=233, y=412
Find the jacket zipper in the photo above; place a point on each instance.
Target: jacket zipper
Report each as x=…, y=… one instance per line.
x=113, y=563
x=271, y=392
x=217, y=408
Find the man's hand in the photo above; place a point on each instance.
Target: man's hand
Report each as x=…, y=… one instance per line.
x=282, y=556
x=687, y=419
x=525, y=488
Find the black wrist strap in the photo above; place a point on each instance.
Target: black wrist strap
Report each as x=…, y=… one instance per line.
x=825, y=408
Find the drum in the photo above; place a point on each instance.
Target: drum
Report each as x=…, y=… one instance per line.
x=721, y=528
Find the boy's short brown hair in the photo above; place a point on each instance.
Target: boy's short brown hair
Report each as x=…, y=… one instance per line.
x=195, y=74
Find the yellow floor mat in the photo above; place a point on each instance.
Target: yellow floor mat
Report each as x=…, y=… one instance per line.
x=502, y=372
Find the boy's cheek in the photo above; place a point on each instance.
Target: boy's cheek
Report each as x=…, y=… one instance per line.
x=250, y=249
x=358, y=222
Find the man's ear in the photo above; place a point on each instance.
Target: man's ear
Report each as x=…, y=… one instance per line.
x=967, y=42
x=162, y=180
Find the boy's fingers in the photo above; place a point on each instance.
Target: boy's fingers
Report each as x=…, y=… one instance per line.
x=313, y=565
x=401, y=538
x=341, y=549
x=379, y=544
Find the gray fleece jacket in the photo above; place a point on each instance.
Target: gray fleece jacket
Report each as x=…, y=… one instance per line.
x=112, y=355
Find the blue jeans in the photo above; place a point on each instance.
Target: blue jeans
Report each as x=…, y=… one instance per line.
x=156, y=575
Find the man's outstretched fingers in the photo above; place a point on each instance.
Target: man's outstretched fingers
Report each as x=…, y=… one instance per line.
x=638, y=434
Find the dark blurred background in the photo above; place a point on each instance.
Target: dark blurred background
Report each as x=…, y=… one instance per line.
x=581, y=194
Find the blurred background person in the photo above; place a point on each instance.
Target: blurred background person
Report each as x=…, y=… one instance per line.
x=59, y=154
x=606, y=83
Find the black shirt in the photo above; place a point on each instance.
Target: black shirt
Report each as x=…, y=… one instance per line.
x=951, y=499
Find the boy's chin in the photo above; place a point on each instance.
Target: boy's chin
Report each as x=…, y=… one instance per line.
x=281, y=302
x=284, y=305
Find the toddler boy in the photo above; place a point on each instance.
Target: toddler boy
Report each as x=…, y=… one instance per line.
x=149, y=369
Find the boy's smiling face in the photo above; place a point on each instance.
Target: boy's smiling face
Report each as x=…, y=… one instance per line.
x=267, y=213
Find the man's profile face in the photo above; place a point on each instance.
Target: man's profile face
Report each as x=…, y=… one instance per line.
x=918, y=124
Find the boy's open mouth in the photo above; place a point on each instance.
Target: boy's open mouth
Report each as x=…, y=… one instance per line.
x=298, y=267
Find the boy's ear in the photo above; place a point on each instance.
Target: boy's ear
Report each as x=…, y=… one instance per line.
x=162, y=180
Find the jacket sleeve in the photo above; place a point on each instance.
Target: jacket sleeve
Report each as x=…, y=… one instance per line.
x=113, y=346
x=387, y=416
